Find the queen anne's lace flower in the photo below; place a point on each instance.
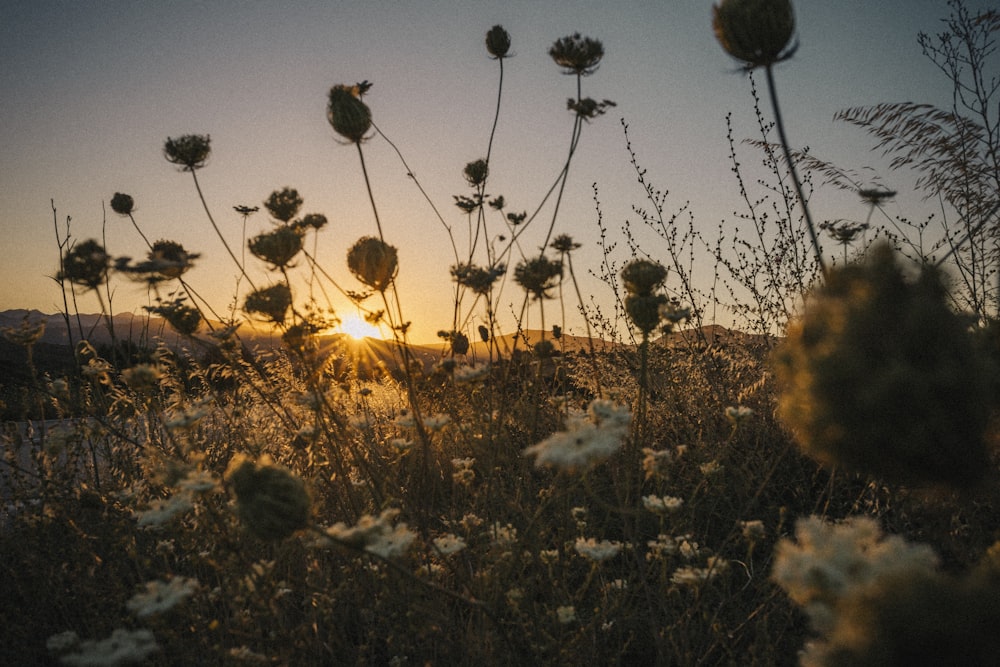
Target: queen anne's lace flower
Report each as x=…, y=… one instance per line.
x=159, y=596
x=598, y=551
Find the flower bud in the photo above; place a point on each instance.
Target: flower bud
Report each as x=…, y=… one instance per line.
x=350, y=117
x=757, y=32
x=498, y=42
x=373, y=262
x=189, y=151
x=271, y=501
x=122, y=204
x=880, y=376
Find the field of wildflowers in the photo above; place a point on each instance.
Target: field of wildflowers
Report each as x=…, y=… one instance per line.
x=820, y=489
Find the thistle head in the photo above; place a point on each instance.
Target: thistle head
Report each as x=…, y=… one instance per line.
x=190, y=152
x=757, y=32
x=577, y=55
x=497, y=42
x=348, y=115
x=122, y=204
x=374, y=262
x=284, y=204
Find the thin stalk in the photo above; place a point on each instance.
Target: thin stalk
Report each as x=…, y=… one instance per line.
x=368, y=185
x=218, y=232
x=780, y=125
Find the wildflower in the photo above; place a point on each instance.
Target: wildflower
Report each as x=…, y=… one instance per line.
x=246, y=211
x=662, y=505
x=405, y=419
x=497, y=42
x=182, y=318
x=284, y=204
x=25, y=334
x=752, y=530
x=272, y=302
x=549, y=556
x=190, y=151
x=375, y=534
x=465, y=373
x=864, y=370
x=374, y=262
x=277, y=247
x=122, y=204
x=198, y=481
x=449, y=544
x=664, y=545
x=86, y=264
x=564, y=243
x=503, y=535
x=641, y=277
x=876, y=196
x=160, y=596
x=586, y=441
x=122, y=647
x=656, y=463
x=436, y=422
x=536, y=275
x=829, y=562
x=271, y=501
x=577, y=55
x=711, y=469
x=597, y=551
x=566, y=614
x=348, y=115
x=161, y=511
x=464, y=474
x=588, y=108
x=476, y=278
x=738, y=414
x=694, y=576
x=757, y=32
x=476, y=172
x=142, y=378
x=401, y=445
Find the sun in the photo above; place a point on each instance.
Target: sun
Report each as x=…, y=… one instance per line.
x=358, y=329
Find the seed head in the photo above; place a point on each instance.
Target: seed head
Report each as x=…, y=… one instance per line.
x=476, y=172
x=122, y=204
x=498, y=42
x=882, y=377
x=373, y=261
x=758, y=32
x=644, y=310
x=190, y=151
x=537, y=275
x=350, y=117
x=284, y=204
x=182, y=318
x=86, y=264
x=272, y=302
x=277, y=247
x=271, y=501
x=641, y=277
x=577, y=55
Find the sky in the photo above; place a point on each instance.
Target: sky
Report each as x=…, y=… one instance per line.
x=91, y=90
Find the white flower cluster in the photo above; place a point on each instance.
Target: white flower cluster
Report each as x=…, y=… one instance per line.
x=588, y=439
x=597, y=551
x=831, y=561
x=123, y=647
x=662, y=505
x=159, y=596
x=375, y=535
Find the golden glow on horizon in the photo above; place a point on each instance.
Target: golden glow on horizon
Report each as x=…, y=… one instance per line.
x=358, y=329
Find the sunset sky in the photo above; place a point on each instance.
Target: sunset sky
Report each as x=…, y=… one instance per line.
x=92, y=89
